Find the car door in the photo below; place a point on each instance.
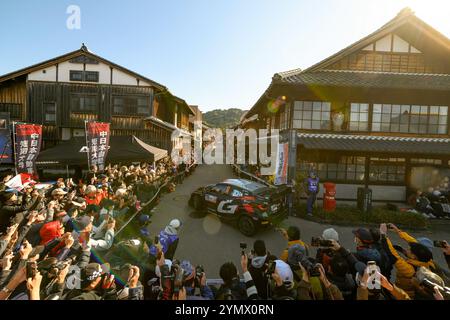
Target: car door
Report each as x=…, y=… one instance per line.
x=214, y=196
x=228, y=202
x=226, y=206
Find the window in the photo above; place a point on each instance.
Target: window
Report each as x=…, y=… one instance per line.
x=85, y=104
x=221, y=189
x=76, y=75
x=359, y=117
x=314, y=115
x=236, y=193
x=131, y=105
x=88, y=76
x=344, y=168
x=387, y=170
x=49, y=112
x=91, y=76
x=426, y=161
x=410, y=119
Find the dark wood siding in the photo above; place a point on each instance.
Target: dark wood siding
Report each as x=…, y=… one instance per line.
x=62, y=93
x=13, y=97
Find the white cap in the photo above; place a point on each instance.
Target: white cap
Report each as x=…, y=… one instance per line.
x=330, y=234
x=121, y=192
x=285, y=272
x=158, y=271
x=175, y=223
x=90, y=189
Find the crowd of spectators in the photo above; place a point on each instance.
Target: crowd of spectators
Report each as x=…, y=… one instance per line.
x=55, y=232
x=61, y=242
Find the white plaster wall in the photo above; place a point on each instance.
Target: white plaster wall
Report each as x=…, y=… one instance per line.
x=122, y=78
x=104, y=70
x=64, y=70
x=39, y=75
x=400, y=45
x=383, y=44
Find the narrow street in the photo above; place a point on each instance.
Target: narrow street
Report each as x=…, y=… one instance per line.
x=207, y=241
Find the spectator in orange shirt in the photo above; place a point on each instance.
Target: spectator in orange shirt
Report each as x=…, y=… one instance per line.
x=93, y=196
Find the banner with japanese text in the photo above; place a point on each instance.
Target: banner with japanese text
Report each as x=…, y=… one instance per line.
x=27, y=147
x=6, y=147
x=282, y=164
x=97, y=135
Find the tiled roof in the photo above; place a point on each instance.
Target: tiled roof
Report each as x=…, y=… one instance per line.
x=367, y=79
x=408, y=145
x=168, y=126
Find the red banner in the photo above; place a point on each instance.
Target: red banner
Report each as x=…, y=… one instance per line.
x=27, y=147
x=97, y=134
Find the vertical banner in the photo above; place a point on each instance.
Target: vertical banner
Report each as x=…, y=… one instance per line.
x=282, y=164
x=97, y=138
x=6, y=146
x=27, y=147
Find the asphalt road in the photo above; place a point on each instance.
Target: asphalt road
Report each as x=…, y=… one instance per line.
x=207, y=241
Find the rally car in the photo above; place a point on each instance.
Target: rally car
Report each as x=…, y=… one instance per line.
x=250, y=204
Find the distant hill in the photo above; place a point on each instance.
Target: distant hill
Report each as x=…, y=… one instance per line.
x=223, y=118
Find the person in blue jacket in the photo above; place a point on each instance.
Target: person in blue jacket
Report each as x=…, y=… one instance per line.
x=312, y=189
x=168, y=238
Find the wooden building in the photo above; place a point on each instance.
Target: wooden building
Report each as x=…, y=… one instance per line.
x=374, y=114
x=63, y=92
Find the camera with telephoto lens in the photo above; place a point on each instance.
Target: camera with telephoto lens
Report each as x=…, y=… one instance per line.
x=429, y=286
x=177, y=276
x=314, y=271
x=69, y=261
x=271, y=268
x=243, y=247
x=311, y=267
x=199, y=271
x=51, y=267
x=31, y=269
x=318, y=242
x=439, y=244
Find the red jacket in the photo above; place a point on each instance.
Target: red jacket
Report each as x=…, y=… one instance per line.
x=96, y=200
x=50, y=231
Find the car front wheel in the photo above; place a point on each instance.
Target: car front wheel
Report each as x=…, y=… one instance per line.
x=247, y=226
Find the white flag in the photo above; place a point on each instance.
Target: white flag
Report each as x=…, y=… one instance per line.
x=15, y=183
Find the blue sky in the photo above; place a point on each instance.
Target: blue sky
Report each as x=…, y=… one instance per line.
x=213, y=53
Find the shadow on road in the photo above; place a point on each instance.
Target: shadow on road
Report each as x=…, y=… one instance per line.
x=197, y=214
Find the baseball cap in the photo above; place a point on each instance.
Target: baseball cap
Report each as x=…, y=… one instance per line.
x=296, y=254
x=91, y=272
x=158, y=271
x=81, y=223
x=426, y=242
x=285, y=272
x=175, y=223
x=330, y=234
x=187, y=268
x=363, y=234
x=144, y=218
